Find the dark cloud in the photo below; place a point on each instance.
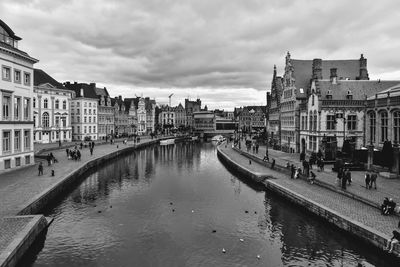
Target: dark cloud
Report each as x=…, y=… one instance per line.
x=214, y=46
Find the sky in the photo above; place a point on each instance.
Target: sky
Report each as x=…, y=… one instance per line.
x=221, y=51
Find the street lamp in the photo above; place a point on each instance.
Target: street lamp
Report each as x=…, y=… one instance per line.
x=266, y=132
x=59, y=136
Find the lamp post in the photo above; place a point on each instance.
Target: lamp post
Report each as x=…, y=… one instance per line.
x=266, y=132
x=59, y=136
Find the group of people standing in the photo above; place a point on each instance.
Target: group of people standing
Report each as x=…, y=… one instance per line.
x=370, y=179
x=344, y=177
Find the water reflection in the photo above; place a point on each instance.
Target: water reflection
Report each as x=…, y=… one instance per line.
x=161, y=205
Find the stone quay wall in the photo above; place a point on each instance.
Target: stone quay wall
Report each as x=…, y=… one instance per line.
x=365, y=233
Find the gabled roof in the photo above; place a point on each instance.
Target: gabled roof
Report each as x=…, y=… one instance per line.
x=89, y=90
x=40, y=78
x=360, y=89
x=349, y=68
x=9, y=31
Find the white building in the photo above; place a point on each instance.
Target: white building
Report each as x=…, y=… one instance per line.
x=84, y=111
x=16, y=89
x=51, y=109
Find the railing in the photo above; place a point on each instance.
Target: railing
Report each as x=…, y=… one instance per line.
x=341, y=103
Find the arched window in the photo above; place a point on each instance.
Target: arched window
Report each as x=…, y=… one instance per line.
x=384, y=126
x=57, y=104
x=372, y=127
x=396, y=126
x=310, y=119
x=64, y=104
x=315, y=120
x=45, y=120
x=45, y=103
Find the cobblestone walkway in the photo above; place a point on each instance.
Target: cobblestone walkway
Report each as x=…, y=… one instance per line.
x=346, y=206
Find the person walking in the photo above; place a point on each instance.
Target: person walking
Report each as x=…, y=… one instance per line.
x=374, y=176
x=367, y=180
x=40, y=168
x=91, y=151
x=344, y=180
x=348, y=177
x=257, y=146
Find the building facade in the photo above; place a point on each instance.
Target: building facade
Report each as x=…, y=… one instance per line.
x=105, y=115
x=51, y=110
x=252, y=119
x=274, y=113
x=16, y=89
x=83, y=111
x=190, y=108
x=204, y=121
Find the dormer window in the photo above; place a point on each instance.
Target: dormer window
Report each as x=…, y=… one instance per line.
x=349, y=95
x=301, y=91
x=329, y=94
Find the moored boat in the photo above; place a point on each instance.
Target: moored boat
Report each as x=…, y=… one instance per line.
x=167, y=142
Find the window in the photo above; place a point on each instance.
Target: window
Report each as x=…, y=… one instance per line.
x=34, y=121
x=90, y=119
x=64, y=121
x=94, y=129
x=384, y=126
x=27, y=140
x=18, y=162
x=57, y=104
x=78, y=119
x=330, y=122
x=27, y=114
x=45, y=120
x=27, y=78
x=27, y=160
x=6, y=73
x=72, y=129
x=64, y=135
x=94, y=119
x=77, y=111
x=352, y=122
x=310, y=118
x=313, y=100
x=6, y=142
x=78, y=129
x=17, y=108
x=90, y=105
x=6, y=107
x=90, y=111
x=17, y=76
x=57, y=121
x=64, y=104
x=94, y=112
x=90, y=129
x=84, y=119
x=34, y=102
x=7, y=163
x=45, y=103
x=84, y=129
x=17, y=141
x=396, y=126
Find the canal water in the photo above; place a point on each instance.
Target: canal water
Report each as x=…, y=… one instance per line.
x=178, y=205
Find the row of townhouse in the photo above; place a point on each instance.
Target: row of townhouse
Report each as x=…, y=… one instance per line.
x=318, y=104
x=179, y=117
x=37, y=108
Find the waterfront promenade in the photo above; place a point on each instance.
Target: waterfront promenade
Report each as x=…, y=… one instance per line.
x=332, y=198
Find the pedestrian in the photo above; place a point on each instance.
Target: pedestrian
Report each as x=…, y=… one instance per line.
x=257, y=146
x=81, y=145
x=92, y=144
x=348, y=177
x=367, y=180
x=40, y=168
x=374, y=176
x=78, y=155
x=91, y=151
x=48, y=158
x=322, y=165
x=395, y=239
x=344, y=180
x=292, y=171
x=67, y=151
x=288, y=165
x=273, y=164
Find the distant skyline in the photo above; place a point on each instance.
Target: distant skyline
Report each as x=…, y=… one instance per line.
x=222, y=51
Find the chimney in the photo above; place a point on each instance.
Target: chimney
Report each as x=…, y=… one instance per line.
x=333, y=75
x=82, y=94
x=363, y=69
x=317, y=69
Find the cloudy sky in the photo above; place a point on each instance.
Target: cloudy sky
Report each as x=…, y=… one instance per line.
x=221, y=51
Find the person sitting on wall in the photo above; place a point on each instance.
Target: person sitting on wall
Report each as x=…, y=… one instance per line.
x=395, y=239
x=385, y=206
x=391, y=206
x=312, y=177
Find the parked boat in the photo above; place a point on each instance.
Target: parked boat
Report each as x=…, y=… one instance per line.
x=218, y=139
x=167, y=142
x=195, y=138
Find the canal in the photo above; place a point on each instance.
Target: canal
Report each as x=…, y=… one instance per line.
x=180, y=206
